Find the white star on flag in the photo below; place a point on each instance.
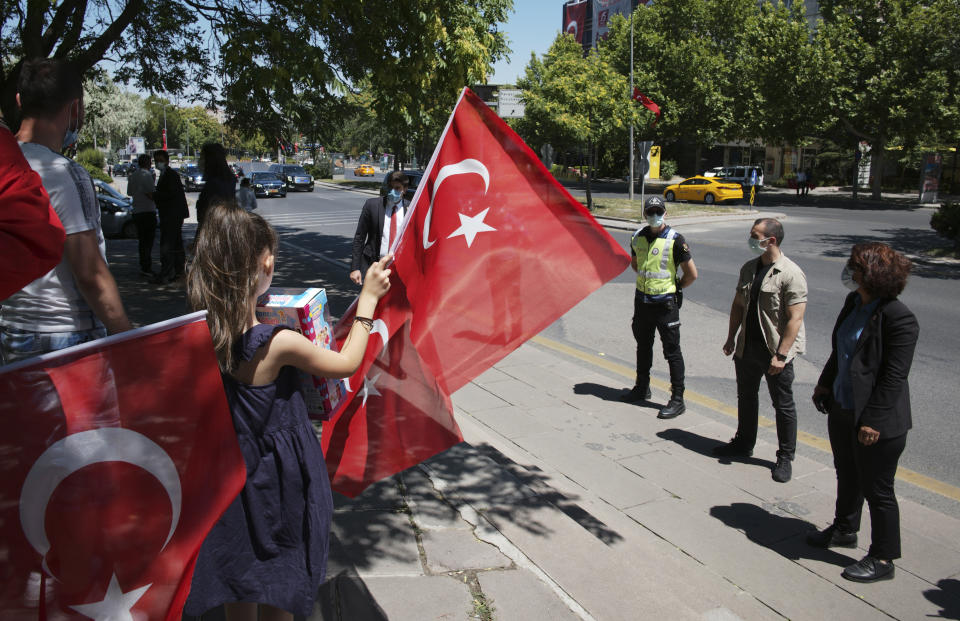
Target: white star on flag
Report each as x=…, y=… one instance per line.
x=471, y=225
x=370, y=387
x=116, y=604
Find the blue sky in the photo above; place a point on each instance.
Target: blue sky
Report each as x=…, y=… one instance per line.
x=531, y=27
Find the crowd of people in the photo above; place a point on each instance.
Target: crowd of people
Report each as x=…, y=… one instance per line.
x=60, y=292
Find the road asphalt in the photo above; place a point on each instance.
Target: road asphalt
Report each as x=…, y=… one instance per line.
x=564, y=503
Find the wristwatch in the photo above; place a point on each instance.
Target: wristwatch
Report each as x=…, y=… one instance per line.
x=781, y=357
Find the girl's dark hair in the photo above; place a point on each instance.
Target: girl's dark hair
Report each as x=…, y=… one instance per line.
x=883, y=270
x=215, y=162
x=225, y=272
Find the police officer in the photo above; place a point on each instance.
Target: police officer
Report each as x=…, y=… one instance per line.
x=657, y=251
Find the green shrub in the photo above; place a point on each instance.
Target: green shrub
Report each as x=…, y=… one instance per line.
x=322, y=170
x=946, y=222
x=92, y=160
x=668, y=168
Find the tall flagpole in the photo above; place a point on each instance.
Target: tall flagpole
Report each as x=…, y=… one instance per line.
x=630, y=95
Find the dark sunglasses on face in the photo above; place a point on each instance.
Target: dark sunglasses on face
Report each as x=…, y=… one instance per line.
x=655, y=211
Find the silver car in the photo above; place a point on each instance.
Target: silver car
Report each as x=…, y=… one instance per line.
x=116, y=211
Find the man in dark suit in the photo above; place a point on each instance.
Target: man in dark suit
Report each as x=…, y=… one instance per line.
x=379, y=225
x=172, y=209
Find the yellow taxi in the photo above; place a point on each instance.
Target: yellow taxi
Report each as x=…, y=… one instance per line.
x=707, y=189
x=364, y=170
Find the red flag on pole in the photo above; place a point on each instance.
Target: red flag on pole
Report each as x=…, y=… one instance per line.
x=119, y=456
x=164, y=139
x=574, y=18
x=493, y=250
x=647, y=103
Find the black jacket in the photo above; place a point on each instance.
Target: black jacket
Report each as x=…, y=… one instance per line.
x=879, y=369
x=169, y=196
x=366, y=241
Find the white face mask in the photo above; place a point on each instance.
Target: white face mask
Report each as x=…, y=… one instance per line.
x=846, y=277
x=161, y=166
x=655, y=221
x=755, y=245
x=71, y=135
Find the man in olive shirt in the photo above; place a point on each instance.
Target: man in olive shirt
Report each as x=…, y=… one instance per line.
x=767, y=312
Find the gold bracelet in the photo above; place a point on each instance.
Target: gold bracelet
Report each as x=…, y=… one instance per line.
x=366, y=321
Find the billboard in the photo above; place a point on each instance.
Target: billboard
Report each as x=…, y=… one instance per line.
x=510, y=103
x=136, y=146
x=603, y=10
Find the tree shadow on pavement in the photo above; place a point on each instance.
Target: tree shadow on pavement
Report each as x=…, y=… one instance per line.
x=784, y=534
x=704, y=445
x=947, y=597
x=345, y=597
x=913, y=242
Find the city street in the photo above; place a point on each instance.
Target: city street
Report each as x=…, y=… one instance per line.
x=819, y=240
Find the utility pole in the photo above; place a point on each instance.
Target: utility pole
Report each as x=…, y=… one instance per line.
x=630, y=95
x=165, y=104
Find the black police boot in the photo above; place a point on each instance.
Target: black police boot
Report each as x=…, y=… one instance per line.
x=675, y=407
x=637, y=394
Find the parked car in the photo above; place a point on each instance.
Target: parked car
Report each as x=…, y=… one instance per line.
x=266, y=184
x=294, y=176
x=738, y=174
x=192, y=179
x=364, y=170
x=413, y=175
x=122, y=169
x=116, y=211
x=707, y=189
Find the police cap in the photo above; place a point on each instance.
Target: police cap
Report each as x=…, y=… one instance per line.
x=654, y=205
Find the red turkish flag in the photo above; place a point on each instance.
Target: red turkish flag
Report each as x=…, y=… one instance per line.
x=647, y=103
x=574, y=18
x=118, y=457
x=493, y=250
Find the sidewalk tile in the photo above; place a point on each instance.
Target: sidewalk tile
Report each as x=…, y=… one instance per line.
x=526, y=356
x=375, y=543
x=428, y=510
x=473, y=398
x=492, y=374
x=780, y=583
x=518, y=392
x=518, y=595
x=456, y=550
x=381, y=496
x=421, y=599
x=465, y=472
x=512, y=421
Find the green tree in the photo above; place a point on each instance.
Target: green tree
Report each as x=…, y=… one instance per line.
x=894, y=67
x=575, y=100
x=113, y=115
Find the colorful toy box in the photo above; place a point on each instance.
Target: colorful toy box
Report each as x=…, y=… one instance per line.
x=306, y=311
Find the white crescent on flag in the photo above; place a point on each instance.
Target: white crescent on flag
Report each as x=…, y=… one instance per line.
x=460, y=168
x=572, y=27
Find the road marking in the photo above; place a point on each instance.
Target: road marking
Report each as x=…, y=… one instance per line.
x=904, y=474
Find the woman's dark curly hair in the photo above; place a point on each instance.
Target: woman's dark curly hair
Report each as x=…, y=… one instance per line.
x=883, y=270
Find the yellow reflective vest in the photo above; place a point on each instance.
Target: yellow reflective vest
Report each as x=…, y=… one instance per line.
x=656, y=268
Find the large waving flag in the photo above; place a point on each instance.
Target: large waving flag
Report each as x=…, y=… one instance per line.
x=118, y=457
x=492, y=252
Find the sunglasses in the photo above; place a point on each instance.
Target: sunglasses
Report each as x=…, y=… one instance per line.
x=655, y=211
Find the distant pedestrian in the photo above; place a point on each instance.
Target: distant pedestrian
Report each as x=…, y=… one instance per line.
x=109, y=169
x=864, y=392
x=78, y=300
x=808, y=182
x=220, y=184
x=765, y=334
x=657, y=252
x=801, y=183
x=379, y=223
x=269, y=548
x=246, y=197
x=141, y=187
x=172, y=210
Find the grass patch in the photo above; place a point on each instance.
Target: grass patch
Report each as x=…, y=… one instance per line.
x=633, y=210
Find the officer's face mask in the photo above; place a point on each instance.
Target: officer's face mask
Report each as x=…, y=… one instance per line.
x=655, y=217
x=846, y=277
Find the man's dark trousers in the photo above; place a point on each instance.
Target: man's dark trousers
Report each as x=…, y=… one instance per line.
x=146, y=231
x=172, y=257
x=750, y=370
x=648, y=319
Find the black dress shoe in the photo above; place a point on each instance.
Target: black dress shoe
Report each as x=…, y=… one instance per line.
x=783, y=471
x=732, y=449
x=831, y=537
x=636, y=394
x=674, y=408
x=869, y=569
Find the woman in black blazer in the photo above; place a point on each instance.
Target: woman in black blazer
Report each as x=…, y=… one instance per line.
x=863, y=389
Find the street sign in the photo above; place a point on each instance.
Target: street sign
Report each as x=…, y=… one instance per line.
x=510, y=103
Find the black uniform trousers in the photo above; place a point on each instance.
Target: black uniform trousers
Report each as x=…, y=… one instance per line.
x=751, y=369
x=172, y=256
x=146, y=232
x=866, y=472
x=648, y=319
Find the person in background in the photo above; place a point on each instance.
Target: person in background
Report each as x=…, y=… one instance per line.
x=78, y=300
x=172, y=209
x=246, y=197
x=765, y=334
x=220, y=184
x=864, y=392
x=141, y=187
x=657, y=252
x=379, y=224
x=31, y=235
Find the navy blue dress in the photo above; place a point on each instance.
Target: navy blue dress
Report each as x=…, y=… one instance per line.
x=271, y=544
